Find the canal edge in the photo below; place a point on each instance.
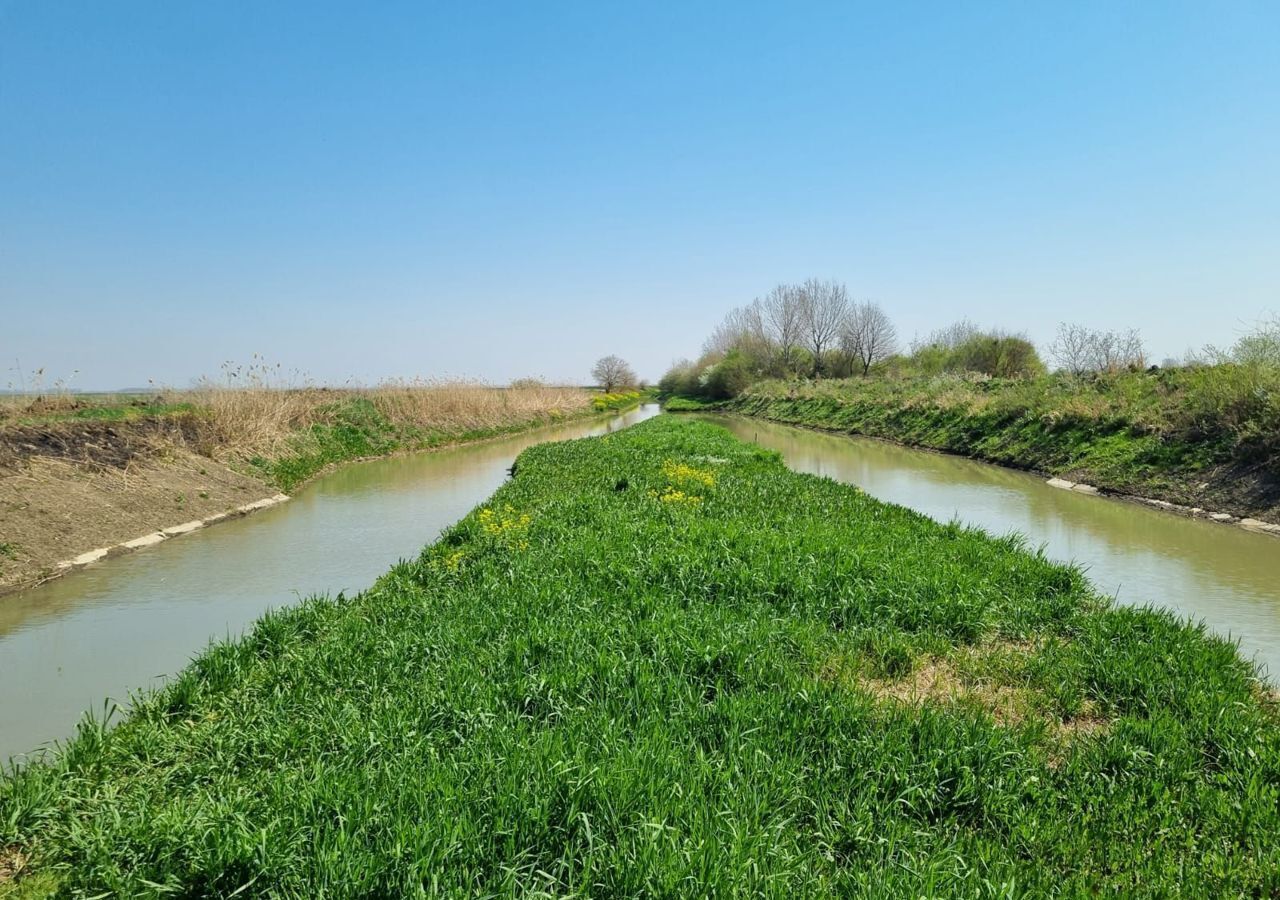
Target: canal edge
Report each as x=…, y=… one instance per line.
x=153, y=538
x=1246, y=523
x=1257, y=526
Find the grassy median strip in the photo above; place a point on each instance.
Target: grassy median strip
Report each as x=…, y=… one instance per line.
x=658, y=663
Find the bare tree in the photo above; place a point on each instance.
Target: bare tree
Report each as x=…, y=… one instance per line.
x=781, y=313
x=612, y=372
x=1126, y=351
x=948, y=338
x=742, y=329
x=823, y=307
x=869, y=336
x=1079, y=349
x=1072, y=349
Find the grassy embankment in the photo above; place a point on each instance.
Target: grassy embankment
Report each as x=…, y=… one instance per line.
x=288, y=435
x=659, y=663
x=1177, y=435
x=77, y=473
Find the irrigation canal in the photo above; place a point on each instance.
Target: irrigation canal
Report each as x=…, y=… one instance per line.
x=125, y=624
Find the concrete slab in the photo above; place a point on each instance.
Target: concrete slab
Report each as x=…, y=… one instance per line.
x=92, y=556
x=147, y=540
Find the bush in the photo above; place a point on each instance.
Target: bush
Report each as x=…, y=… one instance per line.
x=998, y=355
x=727, y=378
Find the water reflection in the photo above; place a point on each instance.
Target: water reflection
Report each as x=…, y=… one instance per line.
x=1228, y=577
x=124, y=624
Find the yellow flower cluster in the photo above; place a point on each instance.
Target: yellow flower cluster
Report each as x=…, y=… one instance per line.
x=614, y=401
x=507, y=525
x=680, y=472
x=449, y=562
x=675, y=495
x=453, y=561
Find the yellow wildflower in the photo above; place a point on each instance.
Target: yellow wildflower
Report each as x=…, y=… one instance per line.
x=682, y=473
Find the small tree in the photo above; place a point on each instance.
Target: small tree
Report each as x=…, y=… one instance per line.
x=612, y=372
x=1078, y=349
x=869, y=336
x=823, y=306
x=781, y=313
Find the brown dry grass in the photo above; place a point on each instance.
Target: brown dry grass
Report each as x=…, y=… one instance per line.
x=259, y=418
x=982, y=676
x=12, y=862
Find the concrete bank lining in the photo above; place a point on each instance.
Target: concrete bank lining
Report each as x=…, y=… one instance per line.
x=164, y=534
x=1195, y=512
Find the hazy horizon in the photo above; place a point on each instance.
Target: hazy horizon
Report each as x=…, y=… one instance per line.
x=360, y=193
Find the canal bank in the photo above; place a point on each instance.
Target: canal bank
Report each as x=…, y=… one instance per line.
x=1228, y=578
x=122, y=625
x=1204, y=477
x=75, y=492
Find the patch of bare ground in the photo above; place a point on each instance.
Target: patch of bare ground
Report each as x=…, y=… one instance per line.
x=987, y=676
x=56, y=506
x=12, y=862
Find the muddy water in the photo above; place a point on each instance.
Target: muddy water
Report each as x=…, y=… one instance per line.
x=1227, y=577
x=126, y=623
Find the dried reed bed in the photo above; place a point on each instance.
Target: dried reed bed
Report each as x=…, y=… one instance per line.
x=263, y=420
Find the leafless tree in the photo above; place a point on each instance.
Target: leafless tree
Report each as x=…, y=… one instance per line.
x=1125, y=351
x=1072, y=349
x=781, y=312
x=612, y=372
x=869, y=336
x=823, y=307
x=1079, y=349
x=948, y=338
x=742, y=329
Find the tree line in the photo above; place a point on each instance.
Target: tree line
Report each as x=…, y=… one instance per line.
x=814, y=329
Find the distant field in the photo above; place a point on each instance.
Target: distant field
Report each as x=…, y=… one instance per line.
x=660, y=664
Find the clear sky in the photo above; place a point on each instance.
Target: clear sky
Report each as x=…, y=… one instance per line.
x=363, y=190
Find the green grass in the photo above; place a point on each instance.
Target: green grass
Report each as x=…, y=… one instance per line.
x=688, y=404
x=1137, y=433
x=122, y=408
x=658, y=663
x=358, y=430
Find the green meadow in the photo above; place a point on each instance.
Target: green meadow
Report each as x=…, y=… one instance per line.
x=658, y=663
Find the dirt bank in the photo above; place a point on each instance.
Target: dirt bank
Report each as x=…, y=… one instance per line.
x=71, y=487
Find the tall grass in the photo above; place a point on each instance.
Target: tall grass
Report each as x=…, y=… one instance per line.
x=289, y=433
x=660, y=664
x=264, y=421
x=1160, y=432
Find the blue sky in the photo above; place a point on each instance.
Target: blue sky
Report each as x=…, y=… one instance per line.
x=372, y=190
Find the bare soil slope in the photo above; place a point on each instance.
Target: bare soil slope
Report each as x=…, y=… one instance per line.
x=73, y=487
